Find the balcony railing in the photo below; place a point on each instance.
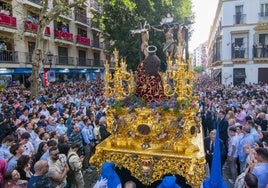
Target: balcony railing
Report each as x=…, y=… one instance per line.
x=32, y=27
x=63, y=35
x=95, y=25
x=95, y=5
x=97, y=44
x=64, y=60
x=8, y=21
x=239, y=53
x=98, y=63
x=84, y=62
x=240, y=18
x=82, y=40
x=8, y=56
x=82, y=18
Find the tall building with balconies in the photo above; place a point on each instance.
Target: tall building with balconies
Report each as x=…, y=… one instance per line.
x=74, y=48
x=200, y=55
x=238, y=42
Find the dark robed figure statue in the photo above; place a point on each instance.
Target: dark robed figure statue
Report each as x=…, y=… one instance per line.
x=149, y=84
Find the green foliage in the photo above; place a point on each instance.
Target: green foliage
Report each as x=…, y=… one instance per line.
x=121, y=16
x=198, y=69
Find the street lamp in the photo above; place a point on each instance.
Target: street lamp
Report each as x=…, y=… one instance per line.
x=50, y=58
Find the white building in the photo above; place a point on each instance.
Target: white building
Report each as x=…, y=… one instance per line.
x=238, y=42
x=200, y=55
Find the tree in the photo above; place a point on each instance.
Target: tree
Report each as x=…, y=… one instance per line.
x=121, y=16
x=45, y=17
x=198, y=69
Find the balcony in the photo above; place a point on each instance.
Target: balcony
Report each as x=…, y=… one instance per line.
x=260, y=54
x=63, y=35
x=97, y=44
x=95, y=25
x=98, y=63
x=82, y=18
x=94, y=5
x=263, y=16
x=239, y=54
x=8, y=21
x=64, y=60
x=32, y=27
x=8, y=56
x=84, y=62
x=239, y=18
x=82, y=40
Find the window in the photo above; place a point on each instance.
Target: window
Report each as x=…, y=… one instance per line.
x=238, y=14
x=63, y=55
x=82, y=32
x=264, y=10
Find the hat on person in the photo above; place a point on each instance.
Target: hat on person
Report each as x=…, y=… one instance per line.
x=108, y=172
x=169, y=182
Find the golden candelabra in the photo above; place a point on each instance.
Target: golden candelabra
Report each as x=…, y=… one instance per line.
x=152, y=142
x=121, y=83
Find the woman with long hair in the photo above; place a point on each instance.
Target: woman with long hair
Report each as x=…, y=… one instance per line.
x=23, y=167
x=12, y=180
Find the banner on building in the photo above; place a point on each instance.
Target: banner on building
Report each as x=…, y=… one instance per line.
x=46, y=82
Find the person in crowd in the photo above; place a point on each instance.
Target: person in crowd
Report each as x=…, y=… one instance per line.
x=108, y=172
x=168, y=182
x=16, y=150
x=241, y=115
x=251, y=181
x=76, y=136
x=25, y=140
x=3, y=170
x=130, y=184
x=223, y=128
x=209, y=144
x=89, y=142
x=75, y=177
x=42, y=121
x=103, y=128
x=39, y=178
x=23, y=167
x=245, y=141
x=12, y=180
x=232, y=154
x=7, y=142
x=50, y=144
x=61, y=127
x=260, y=170
x=56, y=172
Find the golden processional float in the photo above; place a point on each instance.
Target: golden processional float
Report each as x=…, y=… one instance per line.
x=153, y=141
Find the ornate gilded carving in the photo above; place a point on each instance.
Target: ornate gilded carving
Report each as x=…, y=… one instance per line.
x=150, y=140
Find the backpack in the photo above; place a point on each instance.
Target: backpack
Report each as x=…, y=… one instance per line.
x=71, y=173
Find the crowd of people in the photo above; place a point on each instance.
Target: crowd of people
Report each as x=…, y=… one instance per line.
x=47, y=140
x=241, y=114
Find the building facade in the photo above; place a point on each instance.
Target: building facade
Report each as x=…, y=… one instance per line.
x=238, y=42
x=73, y=46
x=200, y=55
